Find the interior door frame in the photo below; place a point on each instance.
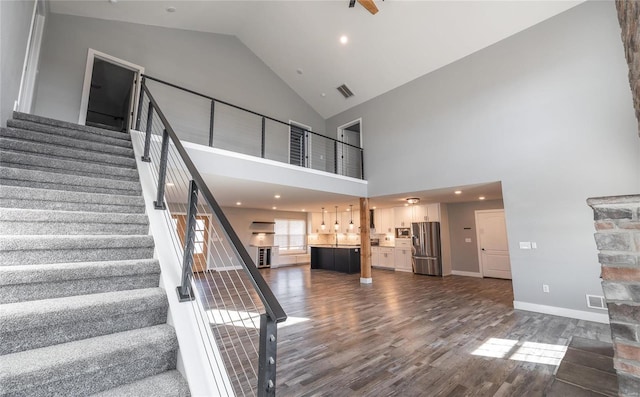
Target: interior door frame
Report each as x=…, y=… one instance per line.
x=88, y=74
x=479, y=248
x=340, y=138
x=32, y=58
x=209, y=232
x=307, y=143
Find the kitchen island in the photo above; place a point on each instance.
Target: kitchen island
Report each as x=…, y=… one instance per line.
x=344, y=259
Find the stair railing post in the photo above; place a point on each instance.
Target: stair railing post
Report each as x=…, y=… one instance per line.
x=361, y=164
x=147, y=135
x=140, y=98
x=305, y=160
x=162, y=173
x=267, y=356
x=211, y=114
x=335, y=157
x=184, y=289
x=263, y=137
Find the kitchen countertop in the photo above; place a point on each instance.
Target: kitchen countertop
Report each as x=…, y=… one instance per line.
x=334, y=246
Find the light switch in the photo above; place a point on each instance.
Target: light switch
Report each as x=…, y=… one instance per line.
x=467, y=240
x=525, y=245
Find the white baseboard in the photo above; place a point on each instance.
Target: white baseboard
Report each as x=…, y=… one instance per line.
x=561, y=311
x=466, y=274
x=366, y=280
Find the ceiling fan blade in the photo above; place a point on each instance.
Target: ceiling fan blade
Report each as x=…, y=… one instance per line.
x=369, y=5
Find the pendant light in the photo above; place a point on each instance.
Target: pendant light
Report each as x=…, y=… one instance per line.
x=351, y=222
x=336, y=225
x=322, y=226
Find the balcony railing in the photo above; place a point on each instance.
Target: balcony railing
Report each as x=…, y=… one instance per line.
x=202, y=119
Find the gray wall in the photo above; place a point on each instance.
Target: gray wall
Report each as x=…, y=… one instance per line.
x=549, y=113
x=214, y=64
x=15, y=20
x=464, y=256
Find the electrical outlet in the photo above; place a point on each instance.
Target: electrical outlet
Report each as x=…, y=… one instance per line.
x=545, y=288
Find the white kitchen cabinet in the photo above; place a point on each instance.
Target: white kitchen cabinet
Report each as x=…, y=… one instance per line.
x=384, y=220
x=402, y=216
x=386, y=258
x=316, y=223
x=427, y=213
x=346, y=218
x=402, y=255
x=375, y=256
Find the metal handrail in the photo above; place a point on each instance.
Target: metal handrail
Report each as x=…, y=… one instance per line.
x=271, y=304
x=245, y=110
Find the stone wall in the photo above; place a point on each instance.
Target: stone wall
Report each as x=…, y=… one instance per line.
x=617, y=222
x=629, y=18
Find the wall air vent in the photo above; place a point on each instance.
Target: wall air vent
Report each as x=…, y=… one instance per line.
x=596, y=302
x=345, y=91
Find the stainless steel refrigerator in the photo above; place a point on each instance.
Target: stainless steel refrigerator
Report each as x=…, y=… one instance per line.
x=426, y=256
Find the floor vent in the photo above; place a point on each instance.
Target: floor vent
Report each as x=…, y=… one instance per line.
x=345, y=91
x=596, y=302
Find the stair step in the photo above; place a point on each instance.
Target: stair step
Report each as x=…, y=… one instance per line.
x=36, y=324
x=167, y=384
x=60, y=140
x=21, y=283
x=31, y=222
x=34, y=250
x=41, y=162
x=36, y=198
x=90, y=366
x=66, y=153
x=51, y=180
x=67, y=125
x=122, y=139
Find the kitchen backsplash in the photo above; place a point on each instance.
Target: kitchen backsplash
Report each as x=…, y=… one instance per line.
x=325, y=239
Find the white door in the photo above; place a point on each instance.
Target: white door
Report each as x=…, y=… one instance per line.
x=493, y=247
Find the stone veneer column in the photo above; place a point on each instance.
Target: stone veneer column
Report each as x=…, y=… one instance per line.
x=617, y=222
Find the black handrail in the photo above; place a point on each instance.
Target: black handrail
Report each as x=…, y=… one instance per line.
x=245, y=110
x=271, y=304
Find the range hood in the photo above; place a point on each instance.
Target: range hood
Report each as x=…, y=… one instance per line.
x=263, y=227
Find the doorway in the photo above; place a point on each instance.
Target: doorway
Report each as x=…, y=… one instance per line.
x=299, y=144
x=493, y=246
x=350, y=155
x=110, y=92
x=200, y=241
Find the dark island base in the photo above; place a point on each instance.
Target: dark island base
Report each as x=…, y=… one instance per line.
x=339, y=259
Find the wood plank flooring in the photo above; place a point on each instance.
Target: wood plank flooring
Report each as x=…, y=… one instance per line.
x=413, y=335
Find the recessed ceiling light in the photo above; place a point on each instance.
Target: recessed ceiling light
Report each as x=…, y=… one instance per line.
x=323, y=95
x=171, y=9
x=303, y=210
x=348, y=209
x=406, y=204
x=274, y=208
x=277, y=196
x=481, y=198
x=238, y=203
x=113, y=1
x=458, y=192
x=344, y=39
x=373, y=208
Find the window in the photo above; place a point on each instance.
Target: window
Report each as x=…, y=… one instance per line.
x=291, y=235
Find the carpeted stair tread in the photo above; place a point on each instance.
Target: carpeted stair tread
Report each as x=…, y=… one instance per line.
x=91, y=365
x=64, y=141
x=66, y=152
x=54, y=280
x=24, y=250
x=35, y=324
x=35, y=222
x=40, y=162
x=37, y=198
x=72, y=126
x=41, y=179
x=122, y=139
x=167, y=384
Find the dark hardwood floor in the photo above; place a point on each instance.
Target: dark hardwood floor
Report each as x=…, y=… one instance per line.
x=412, y=335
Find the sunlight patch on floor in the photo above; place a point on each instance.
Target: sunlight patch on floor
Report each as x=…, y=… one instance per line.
x=539, y=353
x=245, y=319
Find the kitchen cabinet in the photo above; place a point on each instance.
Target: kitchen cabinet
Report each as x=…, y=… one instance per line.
x=386, y=258
x=402, y=255
x=344, y=260
x=375, y=256
x=384, y=220
x=316, y=223
x=402, y=216
x=345, y=218
x=427, y=213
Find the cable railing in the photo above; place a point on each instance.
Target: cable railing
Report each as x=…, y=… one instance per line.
x=205, y=120
x=237, y=310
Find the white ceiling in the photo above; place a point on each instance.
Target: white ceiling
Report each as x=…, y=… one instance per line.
x=403, y=41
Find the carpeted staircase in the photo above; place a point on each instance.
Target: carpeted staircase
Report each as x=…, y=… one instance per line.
x=81, y=312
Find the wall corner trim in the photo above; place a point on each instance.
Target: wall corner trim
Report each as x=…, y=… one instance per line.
x=563, y=312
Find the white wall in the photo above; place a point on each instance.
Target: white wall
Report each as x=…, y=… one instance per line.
x=539, y=111
x=15, y=20
x=217, y=65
